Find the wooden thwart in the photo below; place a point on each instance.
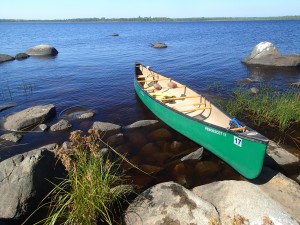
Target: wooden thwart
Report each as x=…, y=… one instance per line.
x=194, y=109
x=154, y=80
x=145, y=76
x=164, y=88
x=180, y=98
x=191, y=104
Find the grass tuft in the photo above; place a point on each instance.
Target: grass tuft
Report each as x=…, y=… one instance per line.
x=94, y=189
x=270, y=107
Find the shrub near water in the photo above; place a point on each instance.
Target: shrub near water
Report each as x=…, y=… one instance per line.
x=277, y=109
x=93, y=187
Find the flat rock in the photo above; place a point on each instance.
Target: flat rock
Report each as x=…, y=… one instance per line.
x=29, y=117
x=278, y=155
x=281, y=189
x=266, y=54
x=61, y=125
x=142, y=124
x=5, y=58
x=243, y=199
x=42, y=50
x=13, y=137
x=170, y=203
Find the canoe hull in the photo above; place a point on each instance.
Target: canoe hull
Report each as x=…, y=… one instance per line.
x=243, y=154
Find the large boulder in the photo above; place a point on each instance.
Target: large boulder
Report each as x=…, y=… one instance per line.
x=29, y=117
x=244, y=200
x=266, y=54
x=5, y=58
x=42, y=50
x=170, y=203
x=24, y=182
x=281, y=189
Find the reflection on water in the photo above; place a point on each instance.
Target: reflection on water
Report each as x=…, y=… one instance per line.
x=263, y=74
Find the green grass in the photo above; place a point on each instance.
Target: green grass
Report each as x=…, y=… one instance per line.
x=94, y=189
x=270, y=107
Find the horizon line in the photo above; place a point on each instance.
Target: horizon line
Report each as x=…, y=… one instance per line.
x=149, y=17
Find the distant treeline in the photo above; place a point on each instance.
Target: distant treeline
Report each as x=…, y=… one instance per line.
x=157, y=19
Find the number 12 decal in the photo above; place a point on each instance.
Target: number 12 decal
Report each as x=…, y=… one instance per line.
x=237, y=141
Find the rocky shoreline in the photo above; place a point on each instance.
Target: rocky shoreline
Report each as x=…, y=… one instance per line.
x=186, y=195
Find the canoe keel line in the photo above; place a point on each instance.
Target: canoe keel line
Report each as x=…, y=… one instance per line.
x=197, y=118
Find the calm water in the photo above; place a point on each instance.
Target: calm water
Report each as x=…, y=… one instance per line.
x=95, y=70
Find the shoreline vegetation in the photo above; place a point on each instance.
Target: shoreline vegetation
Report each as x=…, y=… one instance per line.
x=153, y=19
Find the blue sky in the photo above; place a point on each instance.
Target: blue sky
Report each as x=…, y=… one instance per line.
x=68, y=9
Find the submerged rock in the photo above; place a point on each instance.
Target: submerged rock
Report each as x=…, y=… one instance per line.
x=114, y=34
x=29, y=117
x=42, y=50
x=142, y=124
x=266, y=54
x=107, y=129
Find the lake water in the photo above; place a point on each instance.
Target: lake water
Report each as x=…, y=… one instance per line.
x=95, y=70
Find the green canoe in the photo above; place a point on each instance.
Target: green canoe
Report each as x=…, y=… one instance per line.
x=197, y=118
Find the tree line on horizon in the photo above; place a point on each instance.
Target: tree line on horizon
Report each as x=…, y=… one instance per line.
x=157, y=19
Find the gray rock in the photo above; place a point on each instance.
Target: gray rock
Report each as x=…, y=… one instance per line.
x=5, y=58
x=232, y=198
x=281, y=189
x=196, y=155
x=266, y=54
x=13, y=137
x=296, y=84
x=42, y=50
x=61, y=125
x=298, y=179
x=23, y=182
x=107, y=129
x=142, y=124
x=278, y=155
x=158, y=45
x=29, y=117
x=170, y=203
x=21, y=56
x=254, y=90
x=43, y=127
x=7, y=106
x=114, y=34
